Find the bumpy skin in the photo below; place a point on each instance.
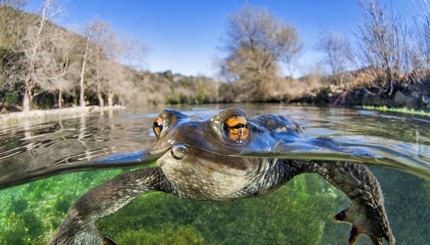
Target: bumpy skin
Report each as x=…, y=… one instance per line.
x=198, y=164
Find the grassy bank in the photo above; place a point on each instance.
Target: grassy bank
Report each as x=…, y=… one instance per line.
x=398, y=110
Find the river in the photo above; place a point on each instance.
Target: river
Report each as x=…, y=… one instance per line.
x=36, y=150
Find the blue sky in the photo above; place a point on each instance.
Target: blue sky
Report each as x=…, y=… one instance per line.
x=185, y=36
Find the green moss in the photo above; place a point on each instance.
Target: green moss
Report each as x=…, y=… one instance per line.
x=426, y=187
x=170, y=235
x=398, y=110
x=30, y=213
x=297, y=213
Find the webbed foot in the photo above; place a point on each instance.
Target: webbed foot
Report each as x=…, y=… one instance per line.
x=108, y=241
x=366, y=213
x=77, y=231
x=367, y=220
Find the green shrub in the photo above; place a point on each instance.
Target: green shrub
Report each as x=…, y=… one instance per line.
x=12, y=97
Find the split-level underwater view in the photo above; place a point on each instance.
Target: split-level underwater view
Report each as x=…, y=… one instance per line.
x=89, y=154
x=299, y=212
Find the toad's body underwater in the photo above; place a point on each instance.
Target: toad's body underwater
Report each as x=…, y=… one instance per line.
x=198, y=164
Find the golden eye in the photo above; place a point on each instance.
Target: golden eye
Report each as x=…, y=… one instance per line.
x=158, y=126
x=236, y=128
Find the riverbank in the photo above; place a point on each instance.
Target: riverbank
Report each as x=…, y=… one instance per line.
x=397, y=110
x=415, y=96
x=14, y=117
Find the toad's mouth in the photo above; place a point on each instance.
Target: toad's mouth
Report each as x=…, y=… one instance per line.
x=184, y=156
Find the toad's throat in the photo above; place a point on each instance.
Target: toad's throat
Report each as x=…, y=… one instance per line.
x=207, y=175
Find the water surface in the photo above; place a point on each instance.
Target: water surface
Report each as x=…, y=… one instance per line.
x=35, y=149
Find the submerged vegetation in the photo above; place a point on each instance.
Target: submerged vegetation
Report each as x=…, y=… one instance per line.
x=44, y=66
x=29, y=214
x=299, y=212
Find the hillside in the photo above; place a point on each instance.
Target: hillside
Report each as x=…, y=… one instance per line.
x=57, y=56
x=44, y=66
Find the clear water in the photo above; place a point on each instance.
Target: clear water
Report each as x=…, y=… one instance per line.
x=299, y=212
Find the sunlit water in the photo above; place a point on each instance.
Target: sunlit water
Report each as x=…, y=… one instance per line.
x=37, y=149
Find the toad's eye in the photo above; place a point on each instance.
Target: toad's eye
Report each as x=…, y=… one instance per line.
x=158, y=126
x=236, y=128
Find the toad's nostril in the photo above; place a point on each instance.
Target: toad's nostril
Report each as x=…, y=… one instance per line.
x=179, y=151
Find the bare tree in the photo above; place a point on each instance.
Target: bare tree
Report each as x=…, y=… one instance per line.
x=12, y=59
x=116, y=82
x=420, y=54
x=14, y=3
x=86, y=49
x=91, y=59
x=59, y=69
x=338, y=54
x=134, y=53
x=111, y=79
x=383, y=42
x=38, y=57
x=32, y=47
x=292, y=53
x=101, y=36
x=256, y=44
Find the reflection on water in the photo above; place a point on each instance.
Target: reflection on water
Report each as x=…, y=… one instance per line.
x=37, y=147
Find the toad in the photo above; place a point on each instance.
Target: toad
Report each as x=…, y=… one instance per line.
x=201, y=160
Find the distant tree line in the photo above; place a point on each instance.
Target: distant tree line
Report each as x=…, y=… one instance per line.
x=42, y=64
x=386, y=53
x=45, y=66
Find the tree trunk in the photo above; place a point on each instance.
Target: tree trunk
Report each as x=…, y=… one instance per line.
x=99, y=95
x=60, y=98
x=110, y=97
x=26, y=101
x=30, y=81
x=82, y=79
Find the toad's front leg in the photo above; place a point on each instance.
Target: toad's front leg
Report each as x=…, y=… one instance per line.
x=79, y=225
